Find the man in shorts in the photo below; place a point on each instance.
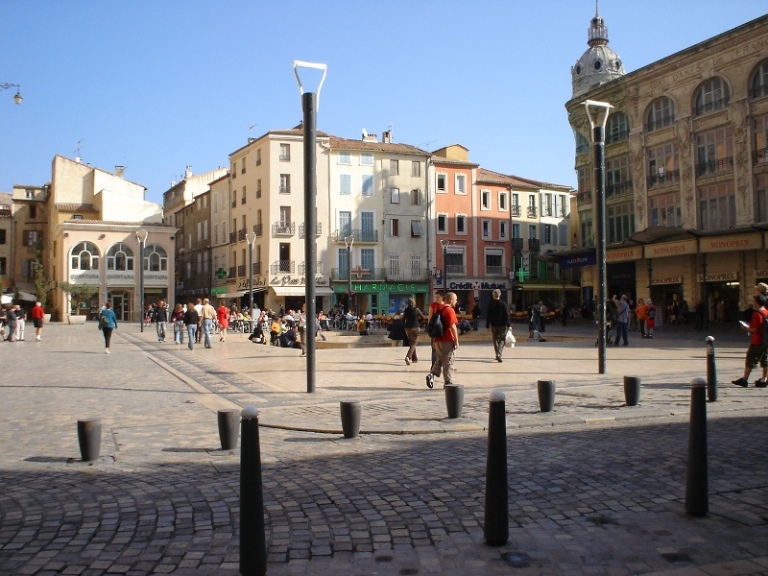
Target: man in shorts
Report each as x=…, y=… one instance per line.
x=757, y=353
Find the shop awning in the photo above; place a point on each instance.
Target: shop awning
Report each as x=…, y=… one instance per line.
x=231, y=294
x=554, y=287
x=27, y=297
x=300, y=291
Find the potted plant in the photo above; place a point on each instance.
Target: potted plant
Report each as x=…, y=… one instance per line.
x=78, y=294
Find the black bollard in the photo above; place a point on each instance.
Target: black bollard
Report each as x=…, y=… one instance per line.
x=631, y=390
x=89, y=438
x=496, y=488
x=546, y=395
x=711, y=370
x=454, y=399
x=350, y=418
x=253, y=547
x=229, y=428
x=696, y=486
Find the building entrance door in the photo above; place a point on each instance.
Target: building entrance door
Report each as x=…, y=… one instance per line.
x=121, y=304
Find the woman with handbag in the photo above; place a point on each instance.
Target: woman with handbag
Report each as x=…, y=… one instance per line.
x=107, y=323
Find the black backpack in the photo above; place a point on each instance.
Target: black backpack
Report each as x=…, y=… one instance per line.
x=435, y=327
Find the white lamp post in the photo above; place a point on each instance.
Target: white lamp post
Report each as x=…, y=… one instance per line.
x=141, y=237
x=250, y=237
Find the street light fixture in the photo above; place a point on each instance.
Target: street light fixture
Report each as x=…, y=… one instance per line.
x=310, y=103
x=250, y=237
x=444, y=244
x=17, y=97
x=601, y=110
x=141, y=237
x=348, y=242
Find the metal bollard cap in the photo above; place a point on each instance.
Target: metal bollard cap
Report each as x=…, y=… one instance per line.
x=709, y=339
x=497, y=396
x=698, y=383
x=249, y=412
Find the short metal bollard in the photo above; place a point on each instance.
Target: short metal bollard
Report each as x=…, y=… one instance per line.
x=711, y=370
x=454, y=399
x=350, y=418
x=546, y=390
x=253, y=546
x=89, y=438
x=229, y=428
x=697, y=482
x=496, y=530
x=631, y=390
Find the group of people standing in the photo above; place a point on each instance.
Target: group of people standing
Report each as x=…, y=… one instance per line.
x=13, y=322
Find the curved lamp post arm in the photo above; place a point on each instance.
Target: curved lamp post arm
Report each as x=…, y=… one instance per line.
x=317, y=66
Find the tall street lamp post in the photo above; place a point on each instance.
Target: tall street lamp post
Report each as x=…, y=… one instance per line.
x=310, y=102
x=250, y=237
x=17, y=97
x=601, y=111
x=444, y=244
x=348, y=242
x=141, y=237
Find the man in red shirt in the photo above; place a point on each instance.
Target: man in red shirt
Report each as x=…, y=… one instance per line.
x=757, y=351
x=446, y=345
x=37, y=313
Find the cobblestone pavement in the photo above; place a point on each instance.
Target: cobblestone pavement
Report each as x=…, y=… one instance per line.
x=595, y=487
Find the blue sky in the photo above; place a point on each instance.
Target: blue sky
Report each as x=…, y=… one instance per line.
x=159, y=85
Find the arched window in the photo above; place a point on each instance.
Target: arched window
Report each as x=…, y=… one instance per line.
x=85, y=256
x=712, y=95
x=617, y=128
x=758, y=87
x=155, y=258
x=119, y=257
x=661, y=113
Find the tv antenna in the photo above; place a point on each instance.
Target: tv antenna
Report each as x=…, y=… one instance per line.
x=79, y=146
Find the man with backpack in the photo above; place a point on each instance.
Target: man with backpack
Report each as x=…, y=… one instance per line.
x=442, y=328
x=757, y=353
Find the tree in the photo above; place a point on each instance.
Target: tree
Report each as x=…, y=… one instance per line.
x=78, y=292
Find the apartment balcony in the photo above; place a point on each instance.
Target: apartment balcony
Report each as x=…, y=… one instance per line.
x=285, y=189
x=619, y=188
x=534, y=245
x=516, y=210
x=241, y=270
x=232, y=237
x=532, y=211
x=517, y=244
x=231, y=272
x=241, y=234
x=303, y=267
x=283, y=229
x=664, y=178
x=710, y=167
x=318, y=229
x=256, y=268
x=455, y=269
x=584, y=197
x=283, y=267
x=360, y=236
x=409, y=275
x=494, y=270
x=359, y=273
x=257, y=229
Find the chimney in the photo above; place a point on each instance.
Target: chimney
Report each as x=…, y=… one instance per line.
x=386, y=137
x=120, y=171
x=188, y=173
x=369, y=137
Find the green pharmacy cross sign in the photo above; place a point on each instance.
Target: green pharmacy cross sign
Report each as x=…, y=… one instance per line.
x=522, y=275
x=221, y=273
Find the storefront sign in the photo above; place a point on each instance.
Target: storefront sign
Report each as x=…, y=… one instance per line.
x=671, y=249
x=719, y=277
x=624, y=254
x=731, y=243
x=288, y=280
x=156, y=278
x=667, y=280
x=477, y=285
x=761, y=274
x=84, y=276
x=114, y=277
x=394, y=287
x=222, y=289
x=257, y=283
x=588, y=259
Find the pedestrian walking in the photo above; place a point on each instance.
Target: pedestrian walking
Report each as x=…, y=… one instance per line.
x=107, y=323
x=757, y=353
x=222, y=312
x=632, y=325
x=208, y=314
x=497, y=321
x=412, y=318
x=436, y=304
x=38, y=315
x=446, y=344
x=177, y=317
x=160, y=318
x=641, y=311
x=650, y=319
x=10, y=321
x=622, y=316
x=191, y=321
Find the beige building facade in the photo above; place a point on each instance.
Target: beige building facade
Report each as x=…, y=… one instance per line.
x=686, y=172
